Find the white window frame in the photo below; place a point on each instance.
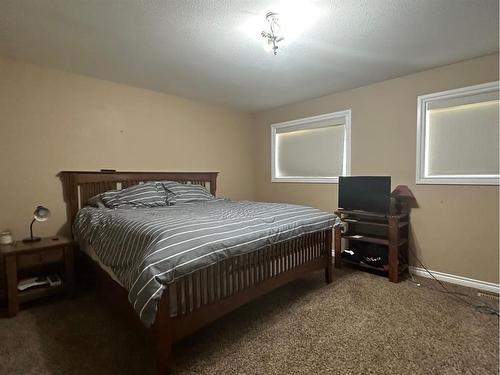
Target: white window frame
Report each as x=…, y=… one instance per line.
x=422, y=119
x=310, y=122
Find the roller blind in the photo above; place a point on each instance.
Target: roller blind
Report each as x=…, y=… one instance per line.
x=463, y=137
x=311, y=152
x=458, y=136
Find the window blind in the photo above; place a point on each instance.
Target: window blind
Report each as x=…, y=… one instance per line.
x=462, y=137
x=316, y=152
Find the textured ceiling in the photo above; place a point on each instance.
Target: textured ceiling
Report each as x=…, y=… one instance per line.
x=202, y=49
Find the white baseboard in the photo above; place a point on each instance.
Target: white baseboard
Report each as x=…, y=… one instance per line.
x=460, y=280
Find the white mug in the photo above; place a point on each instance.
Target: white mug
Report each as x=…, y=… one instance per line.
x=6, y=238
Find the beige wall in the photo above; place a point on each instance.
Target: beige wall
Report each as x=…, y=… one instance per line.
x=456, y=228
x=52, y=121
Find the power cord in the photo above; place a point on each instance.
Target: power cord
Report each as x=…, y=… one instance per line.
x=484, y=307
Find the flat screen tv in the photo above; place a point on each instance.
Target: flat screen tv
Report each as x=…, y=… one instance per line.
x=366, y=193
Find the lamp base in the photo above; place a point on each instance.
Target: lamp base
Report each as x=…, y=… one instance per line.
x=32, y=239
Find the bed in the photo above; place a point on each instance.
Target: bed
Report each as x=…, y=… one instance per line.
x=257, y=247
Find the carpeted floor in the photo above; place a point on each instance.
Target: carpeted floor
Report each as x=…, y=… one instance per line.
x=360, y=324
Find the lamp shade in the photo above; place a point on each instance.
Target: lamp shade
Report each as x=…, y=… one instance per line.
x=41, y=213
x=402, y=191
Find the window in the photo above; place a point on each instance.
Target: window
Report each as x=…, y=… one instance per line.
x=313, y=149
x=458, y=136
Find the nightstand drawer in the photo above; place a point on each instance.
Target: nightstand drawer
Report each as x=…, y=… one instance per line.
x=41, y=257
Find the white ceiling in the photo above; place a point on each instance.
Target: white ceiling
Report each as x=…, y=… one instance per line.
x=199, y=48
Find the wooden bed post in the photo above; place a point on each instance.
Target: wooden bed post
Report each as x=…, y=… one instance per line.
x=70, y=195
x=338, y=246
x=328, y=255
x=163, y=335
x=213, y=184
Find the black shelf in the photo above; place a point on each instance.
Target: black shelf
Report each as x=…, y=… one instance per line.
x=360, y=213
x=389, y=231
x=373, y=223
x=402, y=269
x=364, y=265
x=376, y=240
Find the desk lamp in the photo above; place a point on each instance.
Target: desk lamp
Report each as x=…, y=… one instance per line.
x=41, y=214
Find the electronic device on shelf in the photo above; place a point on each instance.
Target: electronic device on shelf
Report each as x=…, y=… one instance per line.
x=32, y=282
x=365, y=193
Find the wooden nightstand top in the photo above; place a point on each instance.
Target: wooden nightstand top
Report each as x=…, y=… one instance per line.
x=44, y=243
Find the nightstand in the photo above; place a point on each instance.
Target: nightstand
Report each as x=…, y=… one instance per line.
x=50, y=255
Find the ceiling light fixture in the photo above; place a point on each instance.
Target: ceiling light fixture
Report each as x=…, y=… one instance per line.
x=273, y=35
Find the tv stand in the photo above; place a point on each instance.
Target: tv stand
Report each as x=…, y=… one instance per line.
x=388, y=230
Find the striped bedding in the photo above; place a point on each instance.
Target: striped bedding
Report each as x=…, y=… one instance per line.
x=184, y=193
x=148, y=248
x=149, y=194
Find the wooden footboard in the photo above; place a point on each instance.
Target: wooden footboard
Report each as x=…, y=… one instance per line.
x=208, y=294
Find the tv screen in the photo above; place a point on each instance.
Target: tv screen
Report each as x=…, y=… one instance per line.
x=366, y=193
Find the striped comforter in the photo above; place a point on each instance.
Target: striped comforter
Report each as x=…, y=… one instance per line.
x=148, y=248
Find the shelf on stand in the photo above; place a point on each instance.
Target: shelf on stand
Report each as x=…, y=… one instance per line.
x=376, y=240
x=364, y=265
x=402, y=268
x=401, y=224
x=39, y=292
x=355, y=213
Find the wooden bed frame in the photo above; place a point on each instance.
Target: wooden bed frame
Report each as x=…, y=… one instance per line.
x=210, y=293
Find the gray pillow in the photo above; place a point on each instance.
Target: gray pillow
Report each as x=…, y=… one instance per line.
x=170, y=195
x=96, y=201
x=149, y=194
x=184, y=193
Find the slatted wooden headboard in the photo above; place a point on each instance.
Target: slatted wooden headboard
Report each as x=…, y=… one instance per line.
x=79, y=186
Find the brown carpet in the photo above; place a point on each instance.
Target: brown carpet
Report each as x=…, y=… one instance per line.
x=360, y=324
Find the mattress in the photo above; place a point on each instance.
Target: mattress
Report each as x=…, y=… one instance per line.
x=89, y=250
x=149, y=248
